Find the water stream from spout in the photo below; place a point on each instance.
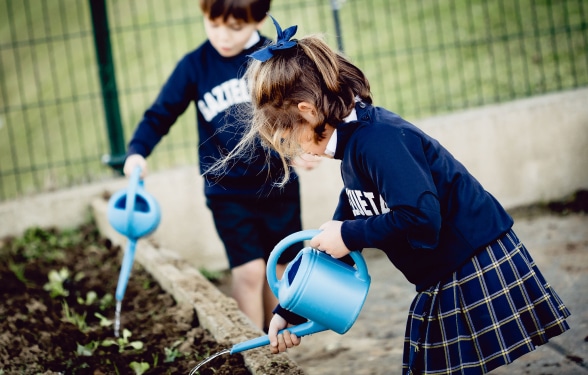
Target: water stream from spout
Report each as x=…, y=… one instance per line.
x=117, y=319
x=193, y=372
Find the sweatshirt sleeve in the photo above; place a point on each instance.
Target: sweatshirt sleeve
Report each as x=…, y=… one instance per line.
x=343, y=210
x=172, y=101
x=289, y=316
x=394, y=162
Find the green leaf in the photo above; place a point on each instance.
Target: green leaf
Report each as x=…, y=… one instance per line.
x=139, y=367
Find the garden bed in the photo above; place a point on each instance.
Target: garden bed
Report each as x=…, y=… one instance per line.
x=57, y=309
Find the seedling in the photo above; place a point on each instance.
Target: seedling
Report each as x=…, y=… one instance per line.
x=87, y=350
x=74, y=318
x=91, y=297
x=106, y=302
x=139, y=367
x=104, y=321
x=172, y=353
x=55, y=284
x=123, y=342
x=18, y=269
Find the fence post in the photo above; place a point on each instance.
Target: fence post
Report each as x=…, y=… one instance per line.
x=336, y=5
x=108, y=85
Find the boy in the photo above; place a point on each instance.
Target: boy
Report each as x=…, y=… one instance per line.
x=251, y=215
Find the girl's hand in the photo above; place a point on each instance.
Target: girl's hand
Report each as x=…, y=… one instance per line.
x=280, y=343
x=330, y=240
x=133, y=161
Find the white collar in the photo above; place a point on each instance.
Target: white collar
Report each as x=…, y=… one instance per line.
x=332, y=145
x=252, y=40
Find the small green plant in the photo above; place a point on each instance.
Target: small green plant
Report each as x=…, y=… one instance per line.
x=123, y=342
x=18, y=269
x=211, y=275
x=91, y=297
x=47, y=244
x=55, y=285
x=87, y=350
x=104, y=321
x=172, y=353
x=139, y=367
x=79, y=320
x=106, y=302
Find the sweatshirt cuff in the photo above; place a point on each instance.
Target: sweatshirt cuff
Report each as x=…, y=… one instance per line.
x=289, y=316
x=352, y=233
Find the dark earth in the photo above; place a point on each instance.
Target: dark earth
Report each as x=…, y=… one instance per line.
x=55, y=328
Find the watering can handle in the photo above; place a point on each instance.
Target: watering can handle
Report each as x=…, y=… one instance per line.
x=134, y=181
x=300, y=330
x=272, y=262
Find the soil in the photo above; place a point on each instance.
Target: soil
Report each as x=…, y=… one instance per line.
x=41, y=333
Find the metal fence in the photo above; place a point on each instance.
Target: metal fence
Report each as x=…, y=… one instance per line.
x=423, y=58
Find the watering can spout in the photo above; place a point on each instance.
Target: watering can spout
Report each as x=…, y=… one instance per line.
x=300, y=330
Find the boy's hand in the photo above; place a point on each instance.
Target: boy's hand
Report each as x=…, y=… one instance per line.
x=329, y=239
x=280, y=343
x=132, y=162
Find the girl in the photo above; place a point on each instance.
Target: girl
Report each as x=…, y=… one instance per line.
x=481, y=301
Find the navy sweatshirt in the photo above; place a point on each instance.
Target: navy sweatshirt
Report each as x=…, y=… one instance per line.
x=407, y=195
x=214, y=84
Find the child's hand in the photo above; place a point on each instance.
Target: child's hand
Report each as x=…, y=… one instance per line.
x=330, y=240
x=280, y=343
x=132, y=162
x=306, y=161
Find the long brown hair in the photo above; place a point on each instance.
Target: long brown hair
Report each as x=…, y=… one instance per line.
x=309, y=72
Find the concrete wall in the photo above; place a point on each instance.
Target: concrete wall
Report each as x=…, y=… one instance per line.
x=523, y=152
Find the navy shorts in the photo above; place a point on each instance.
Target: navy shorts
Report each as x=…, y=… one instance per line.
x=251, y=228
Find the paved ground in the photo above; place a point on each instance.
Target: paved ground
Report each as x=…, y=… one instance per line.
x=373, y=346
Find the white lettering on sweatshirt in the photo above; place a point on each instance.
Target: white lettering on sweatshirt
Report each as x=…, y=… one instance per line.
x=363, y=203
x=221, y=97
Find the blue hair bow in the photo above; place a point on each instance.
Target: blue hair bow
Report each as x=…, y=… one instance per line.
x=283, y=42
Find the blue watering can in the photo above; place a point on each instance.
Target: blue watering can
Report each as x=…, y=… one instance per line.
x=134, y=213
x=326, y=291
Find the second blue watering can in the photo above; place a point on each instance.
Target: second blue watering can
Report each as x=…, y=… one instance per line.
x=132, y=211
x=326, y=291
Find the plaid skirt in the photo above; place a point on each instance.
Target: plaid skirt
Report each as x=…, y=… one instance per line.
x=492, y=310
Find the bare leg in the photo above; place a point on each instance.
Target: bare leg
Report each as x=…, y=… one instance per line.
x=247, y=289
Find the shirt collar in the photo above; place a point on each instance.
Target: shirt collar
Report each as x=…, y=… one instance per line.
x=332, y=144
x=252, y=40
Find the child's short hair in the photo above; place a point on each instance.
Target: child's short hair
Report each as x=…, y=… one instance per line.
x=246, y=10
